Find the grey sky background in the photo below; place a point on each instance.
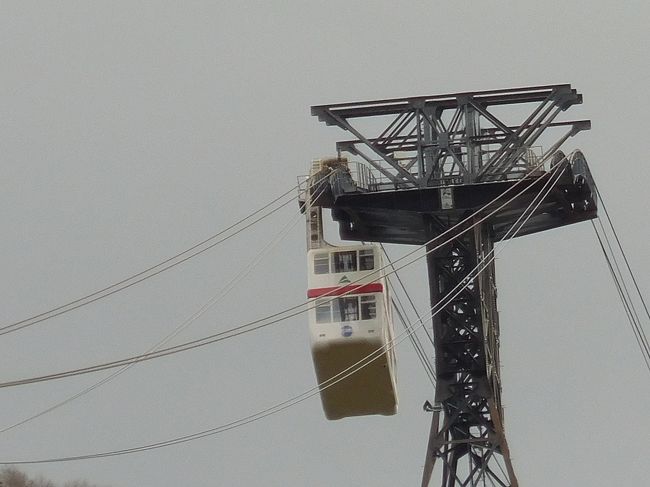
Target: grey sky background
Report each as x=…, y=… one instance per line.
x=131, y=131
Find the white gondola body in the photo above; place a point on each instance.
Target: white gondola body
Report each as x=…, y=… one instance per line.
x=349, y=320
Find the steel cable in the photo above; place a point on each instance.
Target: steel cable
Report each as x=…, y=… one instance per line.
x=186, y=323
x=315, y=390
x=415, y=341
x=152, y=271
x=620, y=246
x=265, y=321
x=619, y=279
x=628, y=305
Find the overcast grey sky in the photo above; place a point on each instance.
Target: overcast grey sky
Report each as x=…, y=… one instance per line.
x=131, y=131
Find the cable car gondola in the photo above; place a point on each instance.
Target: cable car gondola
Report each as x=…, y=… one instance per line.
x=349, y=319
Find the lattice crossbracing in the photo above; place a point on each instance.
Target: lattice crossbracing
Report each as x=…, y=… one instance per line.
x=467, y=435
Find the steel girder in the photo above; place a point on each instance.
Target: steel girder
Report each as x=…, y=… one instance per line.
x=466, y=434
x=453, y=139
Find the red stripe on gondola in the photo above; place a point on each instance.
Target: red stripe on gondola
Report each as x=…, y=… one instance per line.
x=374, y=287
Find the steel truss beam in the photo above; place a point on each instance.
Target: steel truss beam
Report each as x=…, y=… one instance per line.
x=452, y=139
x=466, y=434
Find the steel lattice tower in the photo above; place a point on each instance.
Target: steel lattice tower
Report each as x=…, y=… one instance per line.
x=436, y=161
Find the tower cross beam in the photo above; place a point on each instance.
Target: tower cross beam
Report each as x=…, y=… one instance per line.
x=454, y=138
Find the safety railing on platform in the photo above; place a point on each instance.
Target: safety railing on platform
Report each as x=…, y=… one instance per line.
x=368, y=178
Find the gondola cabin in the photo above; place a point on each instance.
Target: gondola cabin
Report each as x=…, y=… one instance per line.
x=349, y=319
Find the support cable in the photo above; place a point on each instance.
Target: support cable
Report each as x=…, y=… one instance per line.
x=184, y=325
x=161, y=267
x=401, y=314
x=154, y=270
x=400, y=310
x=482, y=265
x=401, y=283
x=261, y=322
x=619, y=279
x=620, y=246
x=274, y=318
x=413, y=337
x=625, y=293
x=628, y=305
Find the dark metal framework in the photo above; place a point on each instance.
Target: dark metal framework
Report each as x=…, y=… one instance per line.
x=453, y=139
x=436, y=160
x=468, y=438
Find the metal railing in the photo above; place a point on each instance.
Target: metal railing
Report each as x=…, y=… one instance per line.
x=367, y=178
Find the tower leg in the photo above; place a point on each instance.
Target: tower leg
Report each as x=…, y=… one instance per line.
x=467, y=436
